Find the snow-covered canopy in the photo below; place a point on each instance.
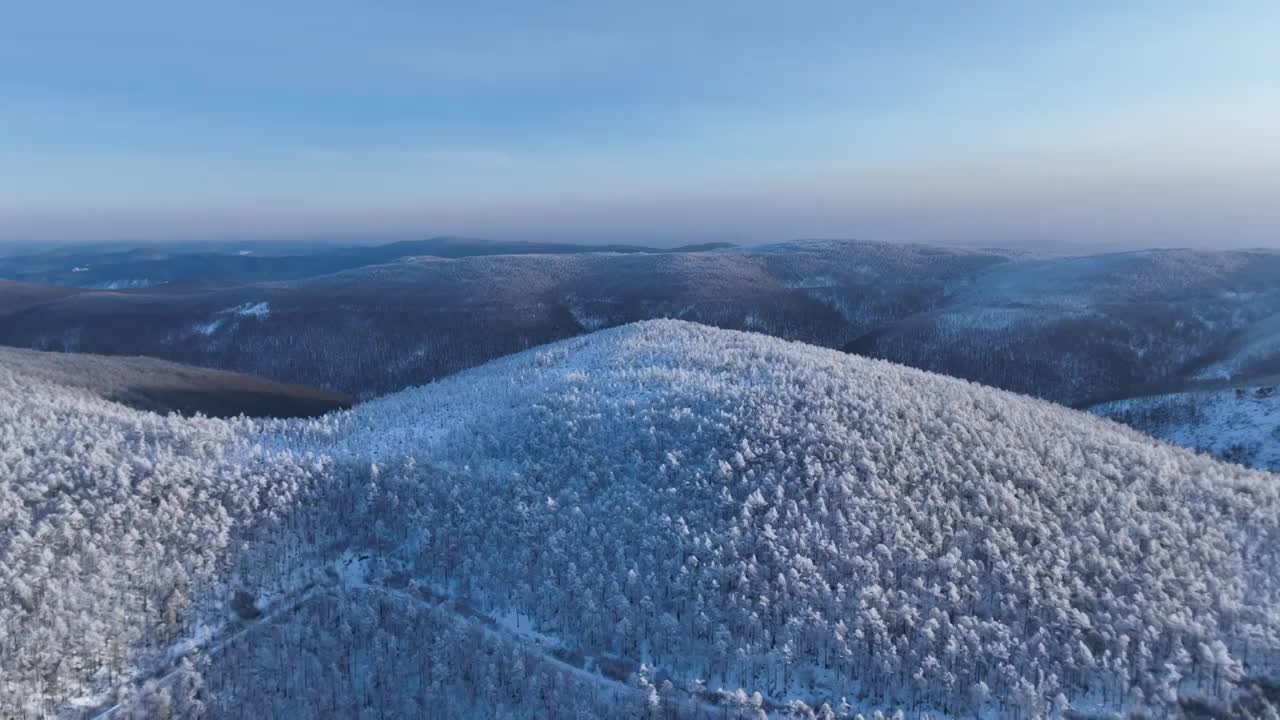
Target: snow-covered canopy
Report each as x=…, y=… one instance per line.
x=724, y=507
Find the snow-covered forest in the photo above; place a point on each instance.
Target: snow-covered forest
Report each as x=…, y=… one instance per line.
x=1081, y=331
x=1238, y=424
x=655, y=521
x=1073, y=330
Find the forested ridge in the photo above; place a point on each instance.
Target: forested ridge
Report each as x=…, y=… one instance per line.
x=1073, y=330
x=1080, y=331
x=658, y=520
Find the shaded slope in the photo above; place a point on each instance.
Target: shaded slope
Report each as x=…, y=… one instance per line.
x=1073, y=330
x=1089, y=329
x=1252, y=354
x=1079, y=331
x=382, y=328
x=17, y=296
x=160, y=386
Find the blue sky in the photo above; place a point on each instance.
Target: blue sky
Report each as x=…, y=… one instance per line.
x=1004, y=123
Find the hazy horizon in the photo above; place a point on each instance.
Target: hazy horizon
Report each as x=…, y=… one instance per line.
x=1100, y=125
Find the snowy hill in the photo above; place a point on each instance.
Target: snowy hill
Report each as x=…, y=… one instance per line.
x=661, y=520
x=1240, y=424
x=1084, y=330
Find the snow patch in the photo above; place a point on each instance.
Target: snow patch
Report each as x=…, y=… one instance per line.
x=198, y=639
x=258, y=310
x=821, y=281
x=588, y=321
x=208, y=328
x=353, y=569
x=130, y=284
x=990, y=319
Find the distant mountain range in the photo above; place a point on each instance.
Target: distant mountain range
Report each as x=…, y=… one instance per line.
x=1080, y=331
x=88, y=267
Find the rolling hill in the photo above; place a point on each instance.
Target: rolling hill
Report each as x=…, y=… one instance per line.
x=1081, y=331
x=1253, y=354
x=161, y=266
x=1089, y=329
x=657, y=520
x=17, y=296
x=164, y=387
x=1239, y=423
x=384, y=327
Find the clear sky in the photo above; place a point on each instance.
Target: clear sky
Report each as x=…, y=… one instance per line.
x=1003, y=123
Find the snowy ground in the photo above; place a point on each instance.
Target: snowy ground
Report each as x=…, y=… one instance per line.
x=1240, y=425
x=730, y=510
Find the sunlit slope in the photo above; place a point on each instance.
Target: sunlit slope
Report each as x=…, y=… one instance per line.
x=1239, y=424
x=660, y=502
x=675, y=491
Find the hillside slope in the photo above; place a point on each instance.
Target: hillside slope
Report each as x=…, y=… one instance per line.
x=378, y=329
x=625, y=523
x=1084, y=330
x=144, y=267
x=17, y=296
x=1239, y=424
x=1250, y=355
x=1073, y=330
x=160, y=386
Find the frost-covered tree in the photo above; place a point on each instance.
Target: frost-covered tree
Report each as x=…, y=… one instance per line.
x=741, y=523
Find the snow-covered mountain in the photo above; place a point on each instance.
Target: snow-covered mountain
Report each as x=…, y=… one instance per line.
x=657, y=520
x=1240, y=424
x=1083, y=330
x=1072, y=330
x=380, y=328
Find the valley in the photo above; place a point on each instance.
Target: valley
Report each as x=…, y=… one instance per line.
x=1080, y=331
